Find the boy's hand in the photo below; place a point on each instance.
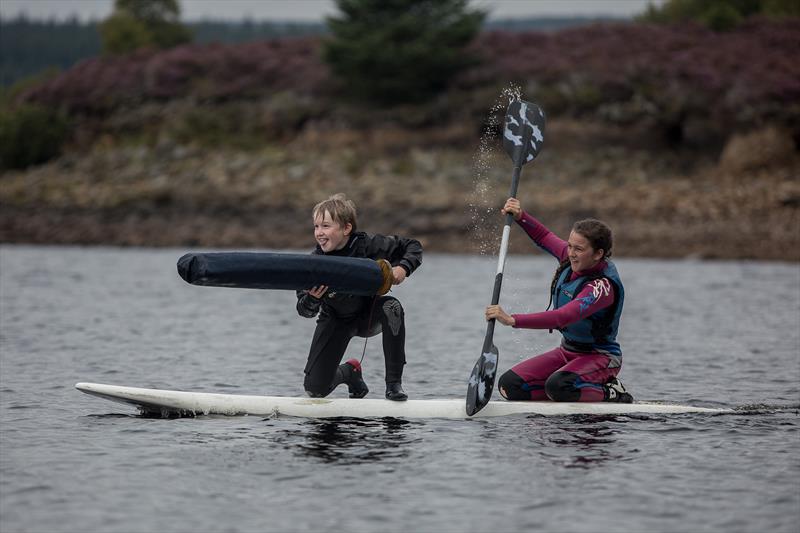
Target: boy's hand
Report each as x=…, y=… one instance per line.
x=318, y=292
x=399, y=274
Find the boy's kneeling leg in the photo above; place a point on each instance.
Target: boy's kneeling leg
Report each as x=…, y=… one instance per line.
x=315, y=390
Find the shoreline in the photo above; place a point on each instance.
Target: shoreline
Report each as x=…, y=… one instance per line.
x=281, y=232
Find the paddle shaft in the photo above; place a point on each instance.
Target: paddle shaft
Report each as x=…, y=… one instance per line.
x=501, y=260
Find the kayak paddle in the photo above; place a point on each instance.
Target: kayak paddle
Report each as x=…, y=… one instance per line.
x=523, y=136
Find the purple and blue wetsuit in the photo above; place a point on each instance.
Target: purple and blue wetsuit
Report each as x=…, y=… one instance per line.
x=575, y=371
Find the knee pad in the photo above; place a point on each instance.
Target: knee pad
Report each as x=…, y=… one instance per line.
x=560, y=387
x=393, y=313
x=513, y=386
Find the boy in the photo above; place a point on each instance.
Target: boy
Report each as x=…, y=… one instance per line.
x=344, y=316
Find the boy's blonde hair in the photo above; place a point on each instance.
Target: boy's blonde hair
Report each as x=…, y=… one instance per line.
x=341, y=209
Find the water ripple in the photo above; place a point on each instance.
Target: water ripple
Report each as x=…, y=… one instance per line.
x=71, y=462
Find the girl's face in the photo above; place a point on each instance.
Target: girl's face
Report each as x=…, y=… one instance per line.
x=580, y=252
x=331, y=235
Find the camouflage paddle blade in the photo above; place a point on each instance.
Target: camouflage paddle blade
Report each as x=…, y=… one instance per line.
x=523, y=134
x=481, y=381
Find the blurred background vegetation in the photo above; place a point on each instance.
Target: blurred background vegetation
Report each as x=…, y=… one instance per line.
x=681, y=128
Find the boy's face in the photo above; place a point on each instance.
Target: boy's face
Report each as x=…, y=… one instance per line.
x=330, y=235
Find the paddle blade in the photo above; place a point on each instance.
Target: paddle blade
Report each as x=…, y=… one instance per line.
x=523, y=134
x=481, y=381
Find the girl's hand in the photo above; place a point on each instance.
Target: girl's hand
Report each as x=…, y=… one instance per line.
x=318, y=292
x=512, y=206
x=496, y=312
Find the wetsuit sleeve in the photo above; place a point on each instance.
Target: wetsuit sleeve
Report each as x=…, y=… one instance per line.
x=543, y=237
x=399, y=251
x=307, y=305
x=595, y=296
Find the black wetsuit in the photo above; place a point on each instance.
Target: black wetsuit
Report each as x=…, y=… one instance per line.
x=344, y=316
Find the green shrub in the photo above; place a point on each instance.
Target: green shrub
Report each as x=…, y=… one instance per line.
x=243, y=124
x=719, y=15
x=30, y=135
x=9, y=94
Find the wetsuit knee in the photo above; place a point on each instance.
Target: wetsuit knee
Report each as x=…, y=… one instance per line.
x=511, y=387
x=560, y=387
x=317, y=390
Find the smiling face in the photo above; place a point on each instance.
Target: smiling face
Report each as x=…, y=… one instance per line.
x=331, y=235
x=581, y=254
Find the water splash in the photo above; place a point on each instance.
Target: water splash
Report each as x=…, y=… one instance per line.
x=484, y=214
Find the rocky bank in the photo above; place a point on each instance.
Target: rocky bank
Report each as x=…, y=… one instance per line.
x=438, y=186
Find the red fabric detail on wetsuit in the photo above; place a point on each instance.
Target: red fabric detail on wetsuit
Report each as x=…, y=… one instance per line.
x=595, y=296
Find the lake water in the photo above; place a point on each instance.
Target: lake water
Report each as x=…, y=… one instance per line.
x=717, y=334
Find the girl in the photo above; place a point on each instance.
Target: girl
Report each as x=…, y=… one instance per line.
x=587, y=297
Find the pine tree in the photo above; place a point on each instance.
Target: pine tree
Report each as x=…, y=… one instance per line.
x=138, y=23
x=395, y=51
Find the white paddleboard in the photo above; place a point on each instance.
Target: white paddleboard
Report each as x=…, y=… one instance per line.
x=167, y=402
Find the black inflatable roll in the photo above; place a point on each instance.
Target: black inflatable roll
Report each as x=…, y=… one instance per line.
x=261, y=270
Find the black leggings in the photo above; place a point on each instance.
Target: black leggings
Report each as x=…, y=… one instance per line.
x=332, y=336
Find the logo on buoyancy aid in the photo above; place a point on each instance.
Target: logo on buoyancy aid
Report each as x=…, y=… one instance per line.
x=600, y=287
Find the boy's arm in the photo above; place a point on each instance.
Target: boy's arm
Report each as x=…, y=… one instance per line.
x=399, y=251
x=307, y=305
x=543, y=237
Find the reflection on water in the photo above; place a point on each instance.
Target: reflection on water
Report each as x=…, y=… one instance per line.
x=580, y=441
x=590, y=443
x=352, y=441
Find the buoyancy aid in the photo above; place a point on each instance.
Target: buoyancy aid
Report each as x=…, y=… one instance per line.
x=597, y=332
